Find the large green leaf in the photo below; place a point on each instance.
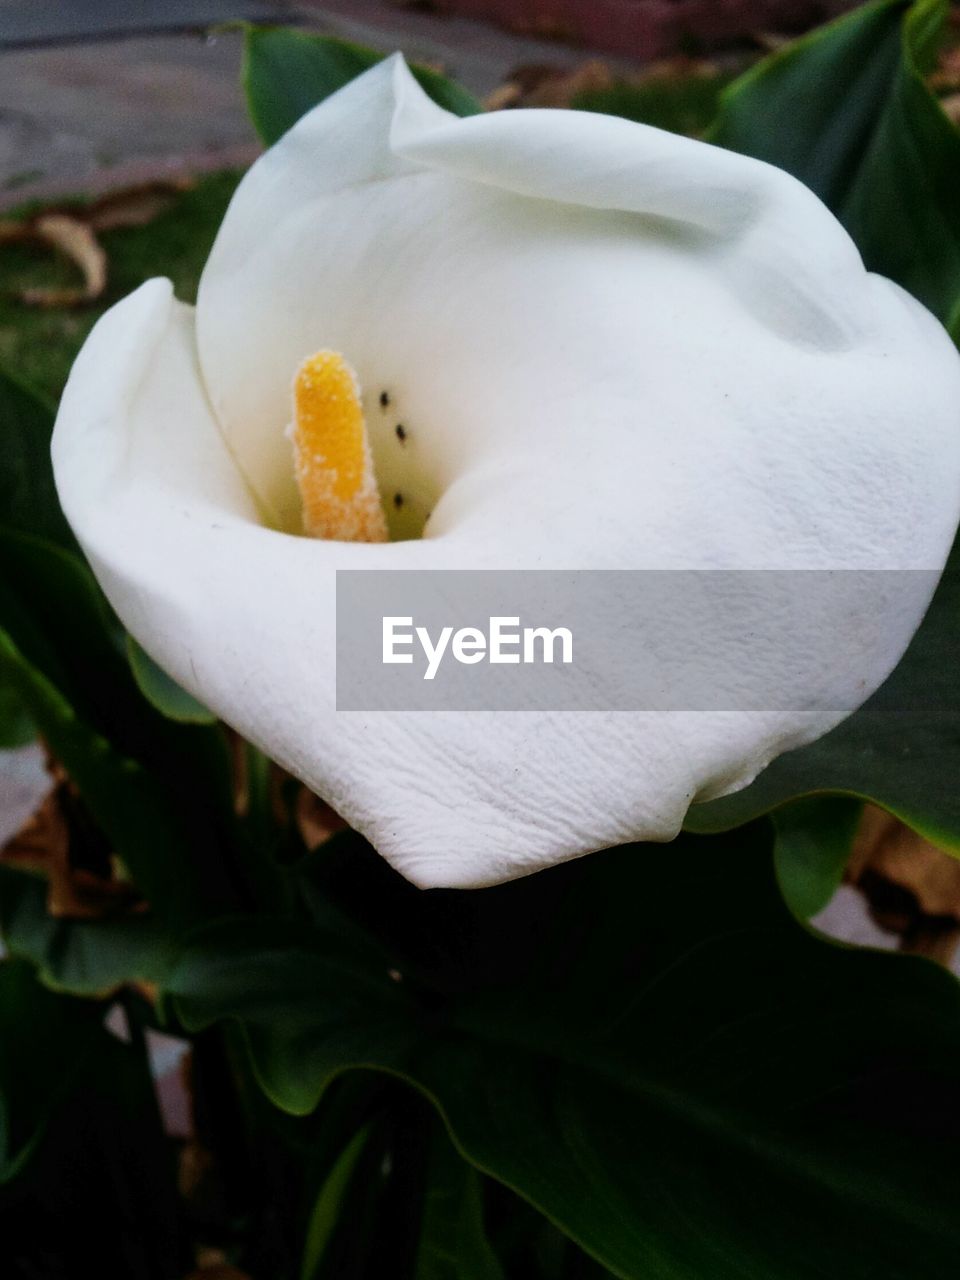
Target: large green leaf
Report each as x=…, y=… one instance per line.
x=651, y=1050
x=453, y=1243
x=680, y=100
x=288, y=72
x=367, y=1016
x=847, y=110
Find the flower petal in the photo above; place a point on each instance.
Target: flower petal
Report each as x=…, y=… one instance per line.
x=274, y=248
x=247, y=615
x=608, y=348
x=686, y=324
x=244, y=617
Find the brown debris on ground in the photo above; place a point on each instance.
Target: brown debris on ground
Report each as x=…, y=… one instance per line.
x=72, y=230
x=540, y=85
x=212, y=1264
x=74, y=239
x=944, y=80
x=61, y=843
x=912, y=888
x=543, y=85
x=316, y=820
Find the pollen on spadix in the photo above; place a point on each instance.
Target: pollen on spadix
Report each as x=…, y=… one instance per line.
x=332, y=459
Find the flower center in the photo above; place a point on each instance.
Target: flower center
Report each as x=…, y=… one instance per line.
x=332, y=458
x=338, y=461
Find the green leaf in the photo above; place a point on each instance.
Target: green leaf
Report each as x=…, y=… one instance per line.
x=28, y=498
x=813, y=844
x=683, y=102
x=328, y=1206
x=645, y=1045
x=84, y=957
x=40, y=587
x=164, y=693
x=44, y=1041
x=288, y=969
x=868, y=136
x=288, y=72
x=453, y=1243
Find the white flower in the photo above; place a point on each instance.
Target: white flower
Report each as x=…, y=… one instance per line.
x=609, y=347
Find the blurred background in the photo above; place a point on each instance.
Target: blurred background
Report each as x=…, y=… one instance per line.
x=102, y=92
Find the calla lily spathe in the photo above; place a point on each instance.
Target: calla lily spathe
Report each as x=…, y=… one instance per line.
x=614, y=348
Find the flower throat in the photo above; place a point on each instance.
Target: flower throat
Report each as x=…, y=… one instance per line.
x=333, y=458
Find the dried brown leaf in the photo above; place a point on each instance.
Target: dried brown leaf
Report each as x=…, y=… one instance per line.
x=72, y=230
x=15, y=231
x=195, y=1168
x=771, y=41
x=503, y=97
x=890, y=849
x=60, y=843
x=315, y=819
x=935, y=939
x=41, y=842
x=212, y=1264
x=77, y=241
x=911, y=886
x=135, y=206
x=542, y=85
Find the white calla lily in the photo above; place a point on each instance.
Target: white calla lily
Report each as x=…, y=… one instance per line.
x=612, y=348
